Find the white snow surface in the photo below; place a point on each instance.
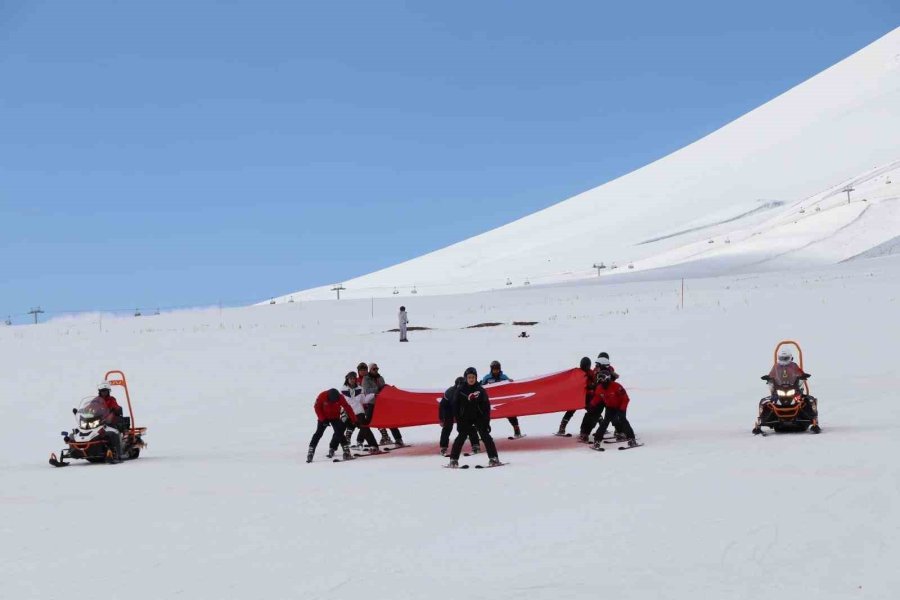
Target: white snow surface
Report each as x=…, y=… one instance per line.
x=222, y=505
x=744, y=183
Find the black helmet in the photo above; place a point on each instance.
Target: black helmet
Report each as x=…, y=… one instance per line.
x=459, y=381
x=603, y=355
x=402, y=308
x=585, y=364
x=495, y=364
x=362, y=366
x=470, y=370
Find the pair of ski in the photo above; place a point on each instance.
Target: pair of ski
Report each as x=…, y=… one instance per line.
x=363, y=453
x=477, y=466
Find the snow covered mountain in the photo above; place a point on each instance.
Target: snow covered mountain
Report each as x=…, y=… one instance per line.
x=764, y=192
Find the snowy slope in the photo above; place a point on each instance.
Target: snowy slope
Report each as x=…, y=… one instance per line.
x=222, y=505
x=838, y=125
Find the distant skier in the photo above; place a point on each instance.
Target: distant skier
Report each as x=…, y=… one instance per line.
x=497, y=375
x=353, y=394
x=589, y=383
x=472, y=411
x=404, y=321
x=447, y=417
x=613, y=396
x=328, y=412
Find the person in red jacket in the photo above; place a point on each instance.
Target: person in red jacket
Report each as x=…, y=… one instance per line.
x=328, y=412
x=111, y=419
x=612, y=395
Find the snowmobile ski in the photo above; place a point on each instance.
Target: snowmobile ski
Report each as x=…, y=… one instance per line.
x=56, y=462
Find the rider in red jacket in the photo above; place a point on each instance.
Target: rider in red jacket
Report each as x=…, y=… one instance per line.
x=111, y=419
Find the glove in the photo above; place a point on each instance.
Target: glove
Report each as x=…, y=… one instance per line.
x=766, y=378
x=804, y=377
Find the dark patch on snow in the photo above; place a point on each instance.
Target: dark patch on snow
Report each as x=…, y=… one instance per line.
x=409, y=329
x=483, y=325
x=525, y=323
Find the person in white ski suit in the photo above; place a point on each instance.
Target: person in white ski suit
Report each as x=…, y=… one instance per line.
x=404, y=321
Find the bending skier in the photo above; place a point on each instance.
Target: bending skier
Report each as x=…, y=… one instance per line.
x=328, y=413
x=613, y=396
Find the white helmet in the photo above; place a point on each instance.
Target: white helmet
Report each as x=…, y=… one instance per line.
x=785, y=356
x=104, y=385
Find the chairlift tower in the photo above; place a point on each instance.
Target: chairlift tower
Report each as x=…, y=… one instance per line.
x=848, y=189
x=338, y=288
x=35, y=311
x=599, y=266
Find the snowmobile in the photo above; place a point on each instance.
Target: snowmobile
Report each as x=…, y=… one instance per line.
x=790, y=407
x=89, y=441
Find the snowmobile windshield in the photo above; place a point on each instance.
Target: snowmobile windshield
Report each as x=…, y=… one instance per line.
x=92, y=413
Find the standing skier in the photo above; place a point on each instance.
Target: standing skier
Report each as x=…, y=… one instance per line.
x=372, y=384
x=328, y=412
x=585, y=366
x=404, y=321
x=613, y=396
x=496, y=376
x=353, y=394
x=473, y=411
x=447, y=417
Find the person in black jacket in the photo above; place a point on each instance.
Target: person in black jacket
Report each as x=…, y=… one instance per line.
x=447, y=417
x=473, y=412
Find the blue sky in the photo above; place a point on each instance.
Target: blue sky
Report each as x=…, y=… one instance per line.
x=166, y=154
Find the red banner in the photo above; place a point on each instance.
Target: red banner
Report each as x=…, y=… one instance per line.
x=553, y=393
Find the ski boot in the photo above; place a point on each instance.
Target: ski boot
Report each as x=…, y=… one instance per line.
x=443, y=452
x=632, y=442
x=815, y=428
x=756, y=430
x=453, y=464
x=331, y=453
x=562, y=430
x=399, y=443
x=621, y=437
x=598, y=445
x=309, y=455
x=347, y=455
x=494, y=462
x=583, y=438
x=518, y=433
x=476, y=448
x=385, y=439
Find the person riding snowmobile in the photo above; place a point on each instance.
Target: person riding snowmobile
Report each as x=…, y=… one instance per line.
x=786, y=373
x=111, y=420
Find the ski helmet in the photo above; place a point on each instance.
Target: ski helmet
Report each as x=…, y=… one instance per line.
x=362, y=367
x=403, y=308
x=585, y=364
x=785, y=356
x=459, y=381
x=103, y=385
x=495, y=364
x=470, y=371
x=602, y=360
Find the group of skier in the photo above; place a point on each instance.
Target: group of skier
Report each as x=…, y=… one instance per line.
x=351, y=409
